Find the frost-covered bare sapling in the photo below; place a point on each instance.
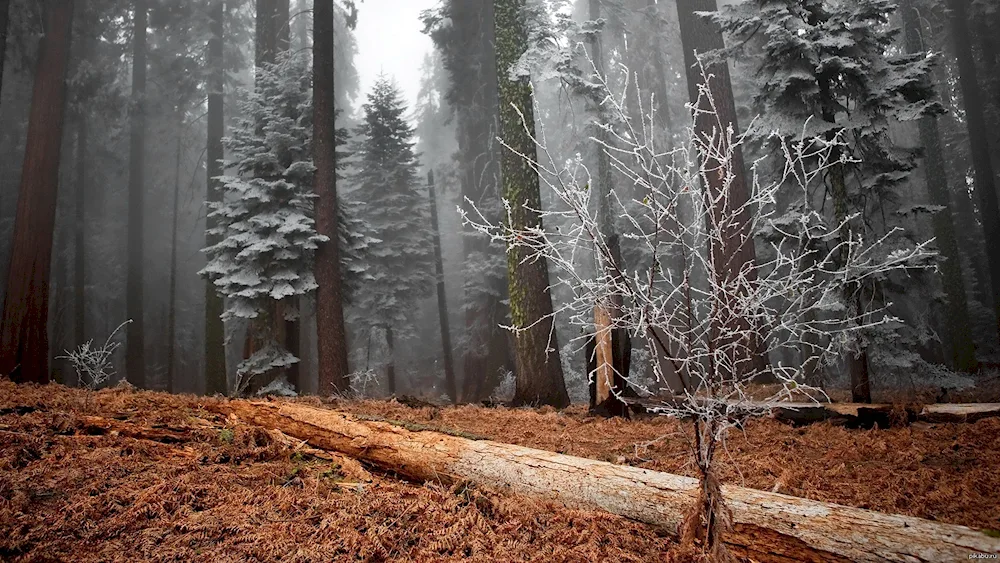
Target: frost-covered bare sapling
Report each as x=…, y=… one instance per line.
x=700, y=316
x=93, y=364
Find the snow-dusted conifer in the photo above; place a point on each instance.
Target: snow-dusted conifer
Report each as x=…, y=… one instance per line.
x=836, y=66
x=399, y=268
x=266, y=228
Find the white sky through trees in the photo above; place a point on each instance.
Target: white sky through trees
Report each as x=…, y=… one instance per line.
x=390, y=41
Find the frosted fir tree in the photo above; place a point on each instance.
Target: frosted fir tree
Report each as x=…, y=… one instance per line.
x=399, y=268
x=267, y=234
x=835, y=66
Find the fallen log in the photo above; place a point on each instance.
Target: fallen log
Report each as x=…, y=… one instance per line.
x=768, y=526
x=855, y=415
x=866, y=416
x=99, y=426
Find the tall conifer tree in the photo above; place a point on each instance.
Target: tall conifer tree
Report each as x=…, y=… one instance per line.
x=400, y=267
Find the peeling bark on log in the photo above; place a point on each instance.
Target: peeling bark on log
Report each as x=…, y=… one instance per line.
x=767, y=526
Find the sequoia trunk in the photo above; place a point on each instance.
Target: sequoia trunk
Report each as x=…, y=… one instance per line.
x=332, y=335
x=24, y=342
x=539, y=372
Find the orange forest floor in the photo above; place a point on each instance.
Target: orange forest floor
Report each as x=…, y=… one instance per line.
x=189, y=485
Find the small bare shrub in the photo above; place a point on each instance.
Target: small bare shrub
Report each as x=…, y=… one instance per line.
x=93, y=364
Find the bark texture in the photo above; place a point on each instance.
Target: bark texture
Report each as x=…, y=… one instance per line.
x=767, y=526
x=24, y=341
x=135, y=364
x=332, y=335
x=539, y=377
x=215, y=343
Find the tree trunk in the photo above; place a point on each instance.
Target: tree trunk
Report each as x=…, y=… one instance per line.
x=767, y=526
x=698, y=36
x=487, y=352
x=135, y=365
x=964, y=212
x=985, y=26
x=80, y=237
x=959, y=333
x=608, y=391
x=172, y=292
x=215, y=339
x=390, y=367
x=449, y=368
x=265, y=36
x=24, y=341
x=292, y=344
x=272, y=37
x=660, y=67
x=604, y=377
x=301, y=16
x=857, y=361
x=58, y=323
x=282, y=25
x=307, y=332
x=332, y=335
x=282, y=41
x=975, y=120
x=539, y=371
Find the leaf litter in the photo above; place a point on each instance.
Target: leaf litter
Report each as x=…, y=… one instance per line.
x=121, y=475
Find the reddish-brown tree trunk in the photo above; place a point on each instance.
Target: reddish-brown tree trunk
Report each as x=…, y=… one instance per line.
x=135, y=365
x=24, y=344
x=699, y=36
x=215, y=346
x=332, y=335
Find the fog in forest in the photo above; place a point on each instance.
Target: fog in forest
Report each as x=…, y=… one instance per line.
x=167, y=162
